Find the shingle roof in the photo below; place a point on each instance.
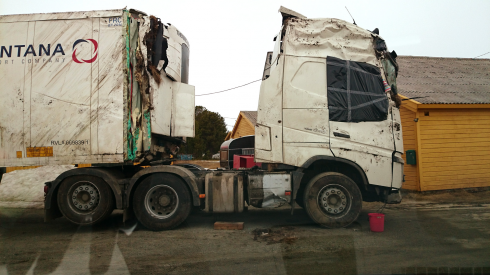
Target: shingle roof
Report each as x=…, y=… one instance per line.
x=436, y=80
x=251, y=116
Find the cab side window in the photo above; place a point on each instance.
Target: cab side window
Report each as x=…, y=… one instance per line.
x=355, y=91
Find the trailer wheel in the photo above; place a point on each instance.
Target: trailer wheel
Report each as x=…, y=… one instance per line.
x=332, y=200
x=162, y=202
x=85, y=200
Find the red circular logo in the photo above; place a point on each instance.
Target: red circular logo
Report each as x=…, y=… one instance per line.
x=74, y=55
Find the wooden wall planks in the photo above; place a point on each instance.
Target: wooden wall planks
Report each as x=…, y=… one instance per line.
x=455, y=148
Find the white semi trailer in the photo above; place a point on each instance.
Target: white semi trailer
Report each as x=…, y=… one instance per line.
x=109, y=88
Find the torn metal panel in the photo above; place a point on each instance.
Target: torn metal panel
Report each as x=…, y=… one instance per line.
x=269, y=190
x=135, y=11
x=143, y=79
x=277, y=51
x=174, y=53
x=80, y=89
x=135, y=127
x=285, y=12
x=267, y=66
x=329, y=37
x=167, y=107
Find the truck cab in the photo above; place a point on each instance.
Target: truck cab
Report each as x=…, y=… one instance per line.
x=328, y=104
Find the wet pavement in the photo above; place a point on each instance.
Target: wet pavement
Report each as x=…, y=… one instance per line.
x=418, y=239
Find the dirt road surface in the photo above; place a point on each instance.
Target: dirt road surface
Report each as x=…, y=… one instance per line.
x=419, y=238
x=210, y=164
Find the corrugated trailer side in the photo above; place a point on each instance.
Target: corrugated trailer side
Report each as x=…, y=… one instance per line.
x=62, y=81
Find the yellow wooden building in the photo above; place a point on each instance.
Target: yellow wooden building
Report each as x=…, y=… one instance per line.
x=244, y=125
x=447, y=121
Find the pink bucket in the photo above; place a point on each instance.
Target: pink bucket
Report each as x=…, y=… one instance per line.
x=377, y=222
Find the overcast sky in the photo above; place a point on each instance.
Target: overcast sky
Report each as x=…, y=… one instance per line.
x=229, y=39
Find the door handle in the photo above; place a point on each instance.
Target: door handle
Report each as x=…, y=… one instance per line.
x=337, y=134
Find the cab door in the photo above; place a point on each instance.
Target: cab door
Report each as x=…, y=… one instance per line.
x=305, y=109
x=361, y=126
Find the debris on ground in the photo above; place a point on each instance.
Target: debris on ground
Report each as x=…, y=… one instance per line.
x=276, y=235
x=228, y=225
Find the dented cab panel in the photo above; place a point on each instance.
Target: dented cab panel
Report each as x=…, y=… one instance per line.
x=336, y=99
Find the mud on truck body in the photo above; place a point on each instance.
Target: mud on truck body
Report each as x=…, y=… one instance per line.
x=328, y=133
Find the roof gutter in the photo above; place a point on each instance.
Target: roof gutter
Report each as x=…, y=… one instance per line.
x=414, y=105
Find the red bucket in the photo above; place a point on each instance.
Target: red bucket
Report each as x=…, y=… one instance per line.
x=377, y=222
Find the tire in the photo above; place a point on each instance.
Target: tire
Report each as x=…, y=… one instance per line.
x=332, y=200
x=85, y=200
x=162, y=202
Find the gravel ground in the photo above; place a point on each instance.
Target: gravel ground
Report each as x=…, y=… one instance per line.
x=211, y=164
x=423, y=236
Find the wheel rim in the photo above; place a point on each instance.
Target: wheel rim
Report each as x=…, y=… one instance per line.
x=334, y=200
x=84, y=197
x=161, y=201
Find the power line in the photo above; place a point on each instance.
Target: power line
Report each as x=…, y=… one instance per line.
x=481, y=55
x=271, y=66
x=232, y=88
x=243, y=84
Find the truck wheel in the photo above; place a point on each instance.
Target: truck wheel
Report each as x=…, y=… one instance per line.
x=85, y=200
x=332, y=200
x=162, y=202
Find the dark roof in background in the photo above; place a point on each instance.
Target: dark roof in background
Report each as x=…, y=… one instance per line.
x=251, y=116
x=437, y=80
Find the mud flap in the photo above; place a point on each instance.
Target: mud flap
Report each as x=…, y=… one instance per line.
x=395, y=197
x=296, y=177
x=51, y=214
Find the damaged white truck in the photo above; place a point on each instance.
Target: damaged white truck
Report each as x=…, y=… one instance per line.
x=109, y=88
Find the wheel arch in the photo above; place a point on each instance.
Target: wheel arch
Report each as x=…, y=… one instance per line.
x=184, y=174
x=336, y=164
x=109, y=177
